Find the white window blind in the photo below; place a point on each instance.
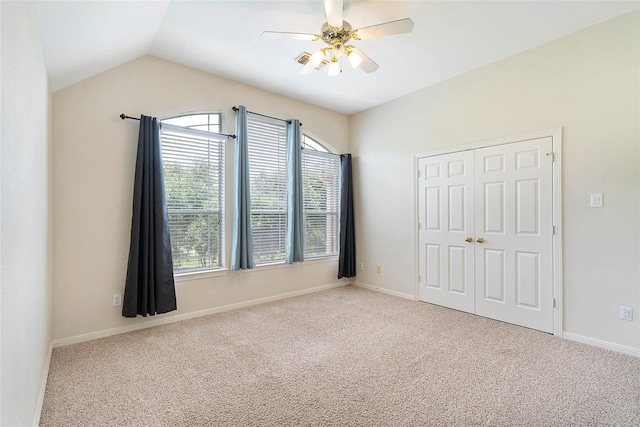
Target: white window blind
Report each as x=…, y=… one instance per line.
x=321, y=189
x=194, y=184
x=268, y=176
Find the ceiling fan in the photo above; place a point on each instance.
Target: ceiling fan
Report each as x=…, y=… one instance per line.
x=336, y=33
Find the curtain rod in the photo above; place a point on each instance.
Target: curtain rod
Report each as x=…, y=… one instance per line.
x=263, y=115
x=123, y=116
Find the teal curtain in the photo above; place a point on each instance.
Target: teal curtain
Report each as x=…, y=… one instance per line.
x=294, y=250
x=149, y=287
x=242, y=244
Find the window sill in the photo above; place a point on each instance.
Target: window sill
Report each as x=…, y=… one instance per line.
x=262, y=267
x=199, y=275
x=282, y=264
x=320, y=259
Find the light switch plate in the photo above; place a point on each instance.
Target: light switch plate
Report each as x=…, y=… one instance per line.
x=596, y=201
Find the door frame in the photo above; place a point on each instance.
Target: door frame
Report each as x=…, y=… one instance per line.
x=556, y=135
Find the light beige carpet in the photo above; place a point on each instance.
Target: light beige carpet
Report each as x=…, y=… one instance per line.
x=343, y=357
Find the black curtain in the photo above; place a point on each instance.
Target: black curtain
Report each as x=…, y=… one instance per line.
x=149, y=287
x=347, y=259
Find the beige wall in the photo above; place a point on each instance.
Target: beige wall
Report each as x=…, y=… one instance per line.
x=24, y=217
x=93, y=166
x=586, y=83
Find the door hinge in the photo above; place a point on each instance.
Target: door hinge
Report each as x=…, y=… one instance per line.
x=554, y=303
x=553, y=156
x=418, y=173
x=553, y=230
x=419, y=226
x=419, y=278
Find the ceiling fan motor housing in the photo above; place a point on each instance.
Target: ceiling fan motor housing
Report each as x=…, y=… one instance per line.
x=332, y=35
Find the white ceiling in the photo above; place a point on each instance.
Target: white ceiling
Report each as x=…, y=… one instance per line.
x=84, y=38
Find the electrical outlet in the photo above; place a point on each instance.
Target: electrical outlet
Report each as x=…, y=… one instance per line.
x=378, y=269
x=626, y=313
x=361, y=266
x=596, y=201
x=116, y=300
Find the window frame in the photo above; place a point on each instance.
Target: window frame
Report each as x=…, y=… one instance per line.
x=219, y=140
x=333, y=210
x=273, y=132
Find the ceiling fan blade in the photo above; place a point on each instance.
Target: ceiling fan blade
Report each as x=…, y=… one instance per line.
x=367, y=63
x=387, y=29
x=334, y=12
x=293, y=36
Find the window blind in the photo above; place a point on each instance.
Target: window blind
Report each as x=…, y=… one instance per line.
x=267, y=166
x=194, y=182
x=321, y=195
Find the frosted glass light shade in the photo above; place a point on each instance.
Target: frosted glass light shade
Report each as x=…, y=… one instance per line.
x=316, y=58
x=334, y=68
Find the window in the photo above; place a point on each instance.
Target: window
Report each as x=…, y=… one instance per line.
x=321, y=192
x=267, y=141
x=193, y=158
x=321, y=195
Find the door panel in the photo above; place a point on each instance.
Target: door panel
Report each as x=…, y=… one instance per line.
x=493, y=280
x=445, y=209
x=515, y=220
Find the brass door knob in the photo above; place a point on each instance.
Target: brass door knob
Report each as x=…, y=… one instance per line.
x=480, y=240
x=469, y=239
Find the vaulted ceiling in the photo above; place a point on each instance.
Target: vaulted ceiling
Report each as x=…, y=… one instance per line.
x=84, y=38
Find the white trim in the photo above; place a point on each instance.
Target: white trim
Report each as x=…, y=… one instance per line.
x=556, y=135
x=43, y=387
x=176, y=318
x=320, y=259
x=199, y=275
x=631, y=351
x=492, y=142
x=220, y=137
x=416, y=230
x=385, y=291
x=281, y=264
x=558, y=323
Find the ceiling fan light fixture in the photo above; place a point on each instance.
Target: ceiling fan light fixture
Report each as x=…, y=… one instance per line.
x=334, y=67
x=338, y=50
x=336, y=33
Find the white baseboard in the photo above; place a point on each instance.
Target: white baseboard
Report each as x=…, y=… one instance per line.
x=631, y=351
x=43, y=387
x=171, y=319
x=385, y=290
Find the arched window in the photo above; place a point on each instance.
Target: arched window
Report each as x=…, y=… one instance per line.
x=193, y=158
x=321, y=194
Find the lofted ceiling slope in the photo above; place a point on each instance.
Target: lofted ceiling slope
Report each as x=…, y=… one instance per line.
x=84, y=38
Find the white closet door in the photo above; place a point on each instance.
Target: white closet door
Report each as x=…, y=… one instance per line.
x=514, y=232
x=445, y=210
x=486, y=232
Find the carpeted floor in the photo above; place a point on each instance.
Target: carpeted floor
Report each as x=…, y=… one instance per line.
x=343, y=357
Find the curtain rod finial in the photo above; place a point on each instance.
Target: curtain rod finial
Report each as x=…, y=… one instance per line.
x=122, y=116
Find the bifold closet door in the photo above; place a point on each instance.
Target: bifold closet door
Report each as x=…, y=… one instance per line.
x=486, y=232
